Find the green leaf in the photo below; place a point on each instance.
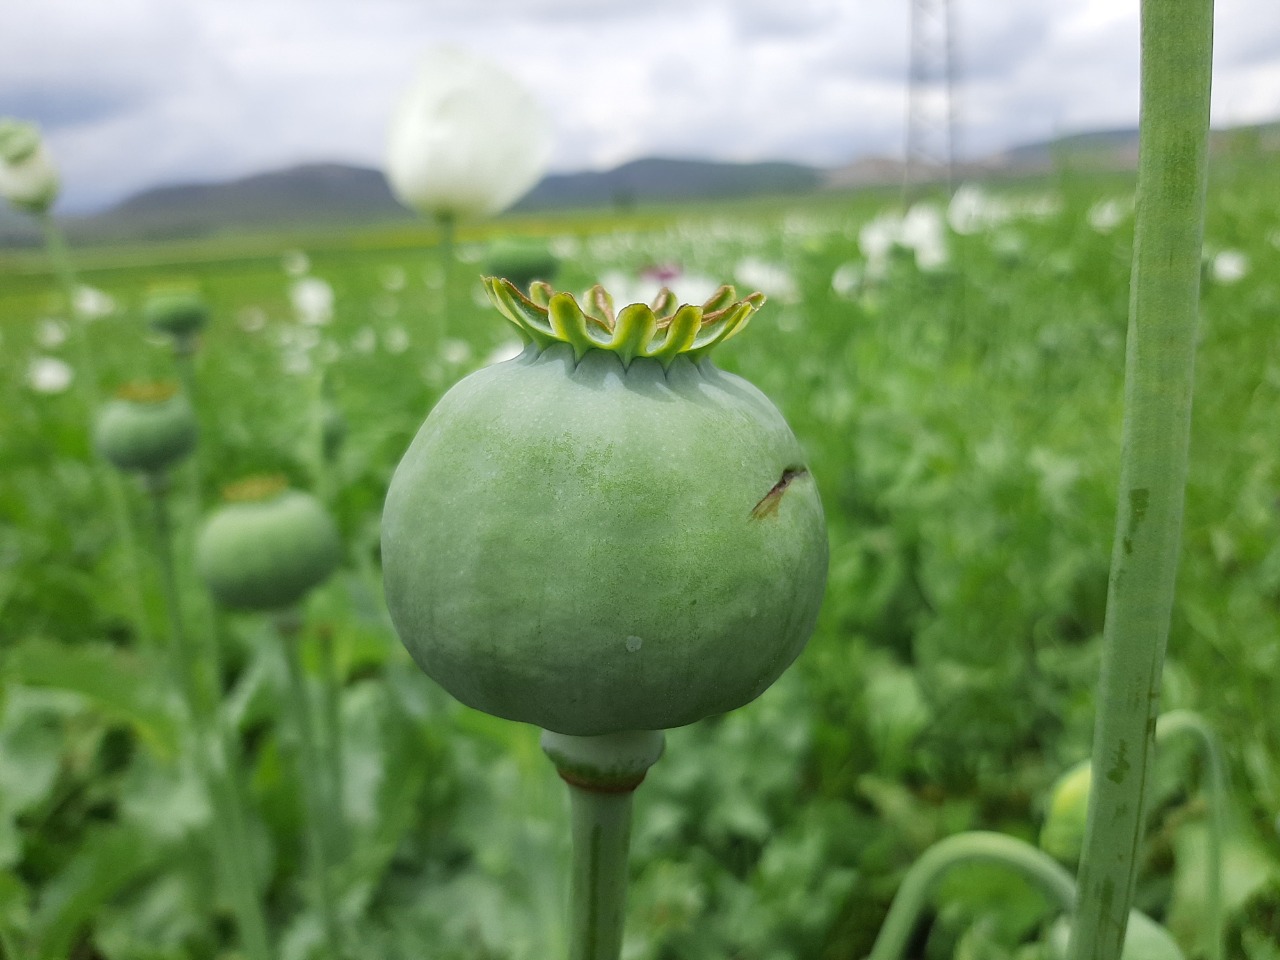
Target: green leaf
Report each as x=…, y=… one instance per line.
x=110, y=859
x=122, y=685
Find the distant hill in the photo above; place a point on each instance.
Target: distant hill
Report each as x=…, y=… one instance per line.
x=333, y=195
x=656, y=180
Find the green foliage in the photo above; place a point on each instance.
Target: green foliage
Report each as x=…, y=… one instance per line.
x=963, y=426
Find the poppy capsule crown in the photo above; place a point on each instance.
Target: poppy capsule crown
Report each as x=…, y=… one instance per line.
x=662, y=330
x=146, y=427
x=267, y=546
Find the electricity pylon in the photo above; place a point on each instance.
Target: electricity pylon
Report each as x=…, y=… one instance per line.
x=931, y=106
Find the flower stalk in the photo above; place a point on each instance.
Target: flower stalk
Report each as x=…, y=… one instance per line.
x=976, y=847
x=212, y=760
x=312, y=776
x=1176, y=70
x=602, y=773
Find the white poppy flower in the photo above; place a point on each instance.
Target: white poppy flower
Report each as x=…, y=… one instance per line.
x=295, y=262
x=49, y=375
x=51, y=333
x=771, y=279
x=467, y=139
x=93, y=304
x=28, y=178
x=312, y=300
x=1230, y=266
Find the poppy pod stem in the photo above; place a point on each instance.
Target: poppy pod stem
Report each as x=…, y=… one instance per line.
x=602, y=773
x=311, y=775
x=1177, y=56
x=212, y=760
x=448, y=225
x=976, y=847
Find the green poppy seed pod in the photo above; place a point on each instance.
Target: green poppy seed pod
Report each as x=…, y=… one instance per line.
x=523, y=262
x=146, y=428
x=1062, y=836
x=179, y=313
x=608, y=533
x=267, y=546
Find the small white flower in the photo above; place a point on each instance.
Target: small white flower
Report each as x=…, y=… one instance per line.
x=396, y=340
x=295, y=263
x=93, y=304
x=252, y=319
x=972, y=209
x=771, y=279
x=467, y=139
x=51, y=333
x=847, y=278
x=1105, y=215
x=365, y=341
x=392, y=278
x=1230, y=266
x=456, y=352
x=312, y=300
x=924, y=232
x=49, y=375
x=28, y=178
x=565, y=247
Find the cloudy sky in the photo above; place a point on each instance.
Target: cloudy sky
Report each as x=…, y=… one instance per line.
x=134, y=93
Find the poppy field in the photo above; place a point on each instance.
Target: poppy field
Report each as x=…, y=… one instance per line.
x=954, y=374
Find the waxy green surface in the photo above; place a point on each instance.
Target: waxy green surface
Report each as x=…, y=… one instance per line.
x=578, y=546
x=267, y=554
x=145, y=436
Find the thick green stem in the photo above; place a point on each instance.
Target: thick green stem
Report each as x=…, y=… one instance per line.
x=87, y=376
x=332, y=682
x=311, y=777
x=914, y=894
x=448, y=268
x=1176, y=62
x=1186, y=723
x=56, y=247
x=602, y=772
x=234, y=851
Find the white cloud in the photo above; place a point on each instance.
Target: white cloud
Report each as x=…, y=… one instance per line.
x=136, y=92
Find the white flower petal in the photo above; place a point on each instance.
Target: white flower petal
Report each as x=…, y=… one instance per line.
x=49, y=375
x=467, y=139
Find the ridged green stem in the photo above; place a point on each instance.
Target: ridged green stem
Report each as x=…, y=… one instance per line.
x=1164, y=295
x=1186, y=723
x=448, y=268
x=602, y=773
x=332, y=686
x=87, y=376
x=212, y=764
x=913, y=895
x=312, y=778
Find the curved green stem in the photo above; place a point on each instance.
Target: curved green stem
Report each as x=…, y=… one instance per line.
x=311, y=775
x=1186, y=723
x=212, y=765
x=1176, y=67
x=602, y=773
x=914, y=893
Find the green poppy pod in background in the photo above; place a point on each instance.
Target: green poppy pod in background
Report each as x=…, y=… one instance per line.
x=146, y=427
x=267, y=546
x=179, y=312
x=1062, y=836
